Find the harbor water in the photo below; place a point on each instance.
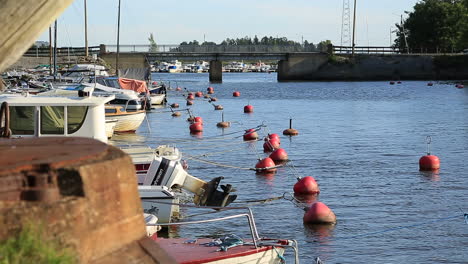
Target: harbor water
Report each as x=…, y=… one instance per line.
x=361, y=141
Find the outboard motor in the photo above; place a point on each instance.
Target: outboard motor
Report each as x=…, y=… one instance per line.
x=171, y=174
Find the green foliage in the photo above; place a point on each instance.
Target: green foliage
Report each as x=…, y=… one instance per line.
x=435, y=26
x=30, y=247
x=153, y=46
x=337, y=60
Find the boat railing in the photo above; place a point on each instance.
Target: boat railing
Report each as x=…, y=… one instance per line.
x=256, y=239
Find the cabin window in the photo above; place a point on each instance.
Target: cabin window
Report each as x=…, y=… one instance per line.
x=22, y=120
x=76, y=116
x=111, y=110
x=52, y=120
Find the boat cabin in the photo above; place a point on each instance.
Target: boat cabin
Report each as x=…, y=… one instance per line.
x=42, y=116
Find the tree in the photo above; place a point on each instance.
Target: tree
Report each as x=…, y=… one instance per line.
x=153, y=46
x=435, y=25
x=323, y=45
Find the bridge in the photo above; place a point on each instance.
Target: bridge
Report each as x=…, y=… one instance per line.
x=295, y=62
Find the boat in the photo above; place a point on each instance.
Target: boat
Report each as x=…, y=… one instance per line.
x=158, y=94
x=228, y=248
x=43, y=116
x=127, y=121
x=175, y=67
x=110, y=127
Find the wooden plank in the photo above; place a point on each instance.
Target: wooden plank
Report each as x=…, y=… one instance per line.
x=22, y=23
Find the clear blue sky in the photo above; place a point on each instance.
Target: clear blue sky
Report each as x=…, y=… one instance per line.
x=175, y=21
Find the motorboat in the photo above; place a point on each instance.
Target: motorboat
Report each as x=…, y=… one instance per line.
x=43, y=116
x=228, y=248
x=127, y=121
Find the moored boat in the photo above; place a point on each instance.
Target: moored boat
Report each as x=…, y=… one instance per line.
x=127, y=121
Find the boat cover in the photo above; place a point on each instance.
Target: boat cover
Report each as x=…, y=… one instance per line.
x=134, y=85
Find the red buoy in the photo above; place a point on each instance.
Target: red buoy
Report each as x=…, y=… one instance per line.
x=430, y=84
x=213, y=99
x=189, y=102
x=319, y=213
x=196, y=127
x=190, y=97
x=209, y=89
x=460, y=86
x=274, y=136
x=236, y=94
x=250, y=134
x=392, y=83
x=178, y=89
x=198, y=119
x=248, y=109
x=429, y=163
x=399, y=82
x=271, y=145
x=175, y=105
x=154, y=83
x=279, y=155
x=198, y=94
x=265, y=165
x=210, y=92
x=306, y=185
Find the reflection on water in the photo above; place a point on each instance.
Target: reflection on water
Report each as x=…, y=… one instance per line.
x=431, y=175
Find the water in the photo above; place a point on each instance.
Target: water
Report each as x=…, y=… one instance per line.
x=360, y=140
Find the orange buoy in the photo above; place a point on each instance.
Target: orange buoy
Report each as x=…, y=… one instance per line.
x=306, y=185
x=248, y=109
x=290, y=131
x=223, y=124
x=429, y=162
x=250, y=134
x=176, y=114
x=279, y=155
x=319, y=213
x=196, y=127
x=236, y=94
x=198, y=119
x=218, y=107
x=189, y=102
x=175, y=105
x=265, y=165
x=213, y=99
x=270, y=145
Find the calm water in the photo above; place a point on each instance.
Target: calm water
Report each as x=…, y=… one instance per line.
x=360, y=140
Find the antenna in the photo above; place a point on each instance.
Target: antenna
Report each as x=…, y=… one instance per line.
x=346, y=24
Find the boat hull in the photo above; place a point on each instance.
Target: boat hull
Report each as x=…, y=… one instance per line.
x=157, y=99
x=129, y=122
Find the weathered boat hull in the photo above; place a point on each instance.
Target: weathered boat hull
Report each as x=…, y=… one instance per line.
x=129, y=122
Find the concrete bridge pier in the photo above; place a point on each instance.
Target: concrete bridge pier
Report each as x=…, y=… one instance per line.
x=216, y=71
x=300, y=66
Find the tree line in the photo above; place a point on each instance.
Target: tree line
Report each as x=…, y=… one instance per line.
x=434, y=26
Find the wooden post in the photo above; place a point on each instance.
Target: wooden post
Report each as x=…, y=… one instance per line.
x=22, y=22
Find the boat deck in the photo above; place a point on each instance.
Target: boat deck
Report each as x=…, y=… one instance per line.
x=194, y=253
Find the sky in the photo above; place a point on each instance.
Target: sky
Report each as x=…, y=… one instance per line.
x=173, y=22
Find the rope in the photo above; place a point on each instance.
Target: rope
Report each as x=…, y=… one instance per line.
x=216, y=152
x=282, y=259
x=232, y=166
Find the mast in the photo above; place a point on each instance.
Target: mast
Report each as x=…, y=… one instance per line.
x=50, y=50
x=55, y=50
x=354, y=26
x=118, y=43
x=86, y=28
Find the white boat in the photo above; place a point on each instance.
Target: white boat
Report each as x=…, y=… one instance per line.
x=229, y=248
x=110, y=127
x=175, y=67
x=44, y=116
x=126, y=121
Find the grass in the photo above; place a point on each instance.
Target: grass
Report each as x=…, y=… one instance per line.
x=29, y=246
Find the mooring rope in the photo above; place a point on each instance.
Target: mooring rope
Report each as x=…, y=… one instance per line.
x=214, y=152
x=232, y=166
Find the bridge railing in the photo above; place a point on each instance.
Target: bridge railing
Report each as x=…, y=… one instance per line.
x=211, y=48
x=61, y=52
x=365, y=50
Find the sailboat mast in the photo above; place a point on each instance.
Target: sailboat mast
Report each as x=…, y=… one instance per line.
x=86, y=29
x=118, y=43
x=55, y=50
x=50, y=50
